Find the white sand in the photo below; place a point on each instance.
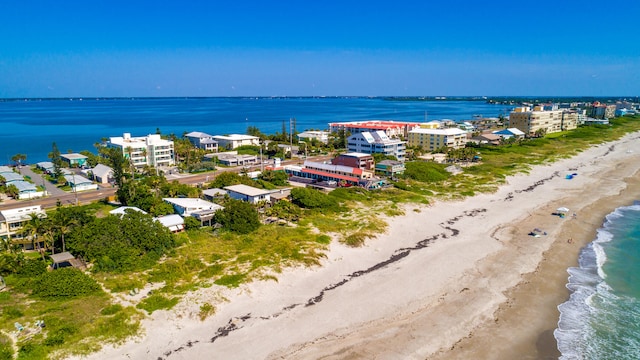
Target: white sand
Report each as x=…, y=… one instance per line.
x=417, y=307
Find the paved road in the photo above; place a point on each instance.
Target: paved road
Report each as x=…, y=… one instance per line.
x=85, y=197
x=52, y=189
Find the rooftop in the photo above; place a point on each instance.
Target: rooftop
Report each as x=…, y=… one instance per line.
x=449, y=131
x=247, y=190
x=73, y=156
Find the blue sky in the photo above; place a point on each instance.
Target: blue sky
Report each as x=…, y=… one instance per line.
x=313, y=48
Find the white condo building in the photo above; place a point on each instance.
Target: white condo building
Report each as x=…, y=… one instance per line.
x=149, y=150
x=376, y=142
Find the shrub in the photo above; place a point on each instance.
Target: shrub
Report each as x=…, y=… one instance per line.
x=238, y=216
x=157, y=302
x=64, y=283
x=32, y=268
x=425, y=171
x=313, y=199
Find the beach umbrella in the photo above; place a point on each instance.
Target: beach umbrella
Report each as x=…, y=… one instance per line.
x=562, y=209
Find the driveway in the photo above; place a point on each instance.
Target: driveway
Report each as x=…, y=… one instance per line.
x=39, y=180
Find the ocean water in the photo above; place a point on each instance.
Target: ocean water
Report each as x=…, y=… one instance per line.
x=601, y=319
x=30, y=126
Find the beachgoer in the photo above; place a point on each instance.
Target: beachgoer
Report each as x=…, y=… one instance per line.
x=570, y=241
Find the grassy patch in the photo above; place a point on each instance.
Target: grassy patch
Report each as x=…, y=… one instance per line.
x=206, y=310
x=157, y=302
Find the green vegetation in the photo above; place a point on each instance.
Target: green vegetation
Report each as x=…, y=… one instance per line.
x=133, y=242
x=135, y=254
x=64, y=283
x=238, y=216
x=157, y=302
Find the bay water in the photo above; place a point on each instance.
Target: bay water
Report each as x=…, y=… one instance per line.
x=30, y=126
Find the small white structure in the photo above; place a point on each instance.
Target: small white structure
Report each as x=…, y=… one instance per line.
x=173, y=222
x=321, y=136
x=122, y=210
x=46, y=166
x=27, y=190
x=211, y=194
x=188, y=206
x=248, y=193
x=80, y=183
x=102, y=173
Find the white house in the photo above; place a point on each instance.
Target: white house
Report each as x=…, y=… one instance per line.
x=27, y=190
x=188, y=206
x=173, y=222
x=202, y=141
x=102, y=173
x=80, y=183
x=321, y=136
x=13, y=220
x=247, y=193
x=233, y=141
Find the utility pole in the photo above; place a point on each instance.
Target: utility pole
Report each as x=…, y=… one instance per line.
x=75, y=187
x=261, y=162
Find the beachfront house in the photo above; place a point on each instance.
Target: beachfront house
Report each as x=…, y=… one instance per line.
x=509, y=133
x=173, y=222
x=122, y=210
x=390, y=167
x=247, y=193
x=12, y=222
x=189, y=206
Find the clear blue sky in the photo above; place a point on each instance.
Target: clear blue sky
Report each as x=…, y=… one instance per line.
x=105, y=48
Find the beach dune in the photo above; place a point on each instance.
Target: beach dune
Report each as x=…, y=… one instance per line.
x=461, y=279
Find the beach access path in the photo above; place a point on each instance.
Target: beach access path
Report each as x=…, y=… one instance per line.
x=447, y=281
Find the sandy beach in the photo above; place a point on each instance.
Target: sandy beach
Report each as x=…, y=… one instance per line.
x=454, y=280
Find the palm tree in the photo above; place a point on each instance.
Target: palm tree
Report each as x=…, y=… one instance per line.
x=64, y=225
x=33, y=228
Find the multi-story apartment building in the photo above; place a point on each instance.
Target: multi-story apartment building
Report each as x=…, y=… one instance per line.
x=149, y=150
x=432, y=139
x=391, y=128
x=355, y=160
x=531, y=121
x=377, y=142
x=12, y=222
x=602, y=111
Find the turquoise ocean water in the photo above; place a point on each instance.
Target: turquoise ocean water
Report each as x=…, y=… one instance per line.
x=30, y=126
x=601, y=319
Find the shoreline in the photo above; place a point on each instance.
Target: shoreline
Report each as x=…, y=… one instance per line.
x=445, y=281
